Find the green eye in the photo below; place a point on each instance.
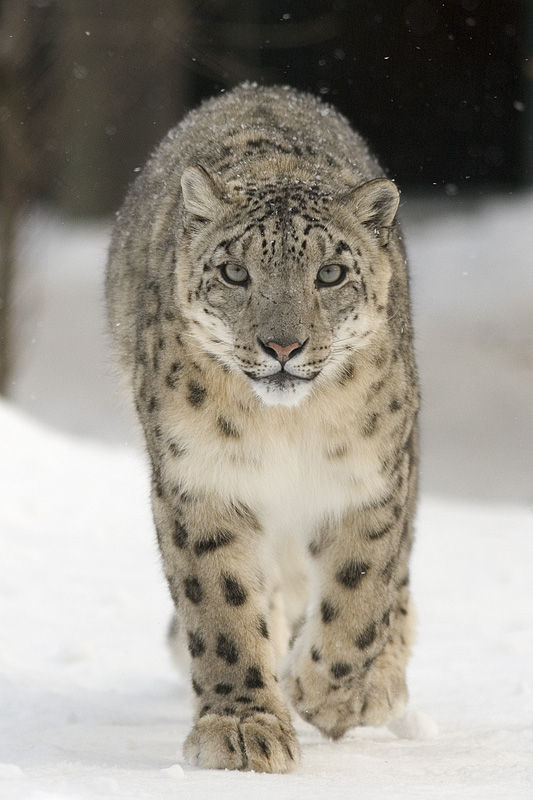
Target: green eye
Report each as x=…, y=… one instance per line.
x=330, y=275
x=235, y=274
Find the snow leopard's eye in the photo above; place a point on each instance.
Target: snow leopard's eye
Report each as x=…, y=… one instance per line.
x=234, y=274
x=330, y=275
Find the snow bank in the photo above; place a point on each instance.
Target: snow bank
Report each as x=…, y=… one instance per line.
x=91, y=707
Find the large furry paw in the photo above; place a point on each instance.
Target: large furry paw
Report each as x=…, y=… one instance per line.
x=259, y=742
x=335, y=697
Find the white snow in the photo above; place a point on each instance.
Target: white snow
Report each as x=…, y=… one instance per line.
x=92, y=708
x=414, y=725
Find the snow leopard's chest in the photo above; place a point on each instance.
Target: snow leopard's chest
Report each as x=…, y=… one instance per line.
x=291, y=479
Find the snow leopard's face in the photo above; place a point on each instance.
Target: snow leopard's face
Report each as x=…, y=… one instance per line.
x=285, y=282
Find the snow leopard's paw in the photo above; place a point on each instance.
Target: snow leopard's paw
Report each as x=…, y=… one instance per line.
x=335, y=696
x=259, y=742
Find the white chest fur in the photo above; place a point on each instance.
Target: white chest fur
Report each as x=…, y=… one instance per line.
x=289, y=475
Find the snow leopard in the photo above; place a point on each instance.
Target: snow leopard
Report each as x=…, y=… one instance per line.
x=258, y=297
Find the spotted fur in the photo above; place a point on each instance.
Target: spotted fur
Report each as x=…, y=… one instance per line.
x=270, y=463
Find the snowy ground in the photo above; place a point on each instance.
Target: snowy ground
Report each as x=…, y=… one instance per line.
x=91, y=707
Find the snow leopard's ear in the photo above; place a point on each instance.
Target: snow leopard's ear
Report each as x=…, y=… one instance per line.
x=374, y=203
x=202, y=196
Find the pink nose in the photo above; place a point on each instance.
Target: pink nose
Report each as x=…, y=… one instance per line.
x=283, y=353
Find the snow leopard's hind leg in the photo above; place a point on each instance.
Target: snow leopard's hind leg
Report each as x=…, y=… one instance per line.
x=347, y=666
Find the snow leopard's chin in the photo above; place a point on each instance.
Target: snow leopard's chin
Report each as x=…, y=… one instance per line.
x=288, y=391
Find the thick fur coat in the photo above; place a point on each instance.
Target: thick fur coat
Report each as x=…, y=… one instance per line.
x=258, y=297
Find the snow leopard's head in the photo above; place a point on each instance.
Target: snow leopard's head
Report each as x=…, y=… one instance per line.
x=283, y=280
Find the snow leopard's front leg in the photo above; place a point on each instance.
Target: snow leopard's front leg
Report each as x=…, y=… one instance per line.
x=347, y=666
x=214, y=558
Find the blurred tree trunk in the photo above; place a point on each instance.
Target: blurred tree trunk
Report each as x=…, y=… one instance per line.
x=15, y=157
x=7, y=238
x=122, y=93
x=527, y=129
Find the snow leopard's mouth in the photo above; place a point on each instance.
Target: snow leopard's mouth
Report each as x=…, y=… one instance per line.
x=282, y=388
x=281, y=379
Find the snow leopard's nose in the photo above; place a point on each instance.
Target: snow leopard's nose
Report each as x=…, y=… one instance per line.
x=281, y=352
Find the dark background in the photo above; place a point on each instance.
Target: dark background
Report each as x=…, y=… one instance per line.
x=439, y=88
